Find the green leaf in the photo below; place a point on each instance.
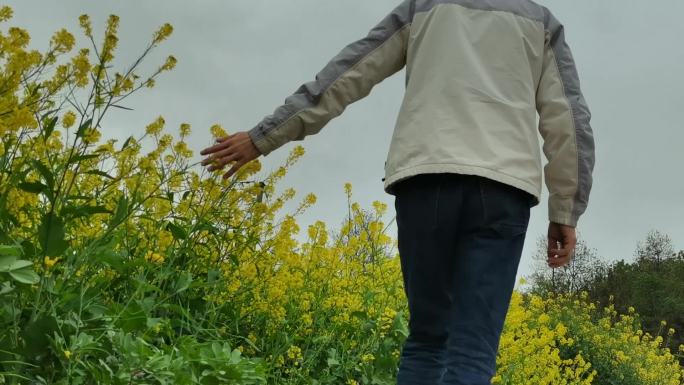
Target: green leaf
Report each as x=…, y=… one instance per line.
x=50, y=127
x=113, y=259
x=213, y=275
x=28, y=248
x=177, y=231
x=6, y=288
x=100, y=173
x=400, y=326
x=11, y=250
x=99, y=209
x=126, y=143
x=83, y=127
x=120, y=212
x=26, y=275
x=74, y=197
x=45, y=173
x=132, y=319
x=20, y=264
x=33, y=187
x=122, y=107
x=81, y=158
x=234, y=259
x=183, y=282
x=204, y=225
x=333, y=362
x=51, y=235
x=37, y=335
x=84, y=211
x=6, y=261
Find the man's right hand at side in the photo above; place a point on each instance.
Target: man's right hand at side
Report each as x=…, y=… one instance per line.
x=561, y=244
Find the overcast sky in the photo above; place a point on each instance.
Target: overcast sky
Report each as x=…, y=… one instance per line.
x=239, y=59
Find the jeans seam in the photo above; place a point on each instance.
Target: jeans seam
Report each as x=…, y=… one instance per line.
x=439, y=189
x=482, y=201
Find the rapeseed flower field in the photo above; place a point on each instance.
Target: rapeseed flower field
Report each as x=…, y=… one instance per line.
x=125, y=266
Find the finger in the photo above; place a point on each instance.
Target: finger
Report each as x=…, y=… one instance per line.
x=553, y=243
x=559, y=256
x=557, y=266
x=569, y=247
x=223, y=162
x=559, y=252
x=214, y=148
x=224, y=138
x=569, y=239
x=556, y=258
x=233, y=170
x=218, y=155
x=558, y=262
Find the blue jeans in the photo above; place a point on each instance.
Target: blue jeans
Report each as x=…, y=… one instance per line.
x=460, y=240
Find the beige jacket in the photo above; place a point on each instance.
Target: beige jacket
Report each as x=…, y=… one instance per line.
x=478, y=73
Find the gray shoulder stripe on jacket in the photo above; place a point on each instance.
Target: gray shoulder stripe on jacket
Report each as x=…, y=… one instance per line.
x=522, y=8
x=309, y=94
x=580, y=114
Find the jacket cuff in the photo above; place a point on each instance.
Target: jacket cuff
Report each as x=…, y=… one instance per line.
x=563, y=219
x=261, y=142
x=561, y=211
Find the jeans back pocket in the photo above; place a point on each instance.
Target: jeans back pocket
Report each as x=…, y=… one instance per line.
x=506, y=209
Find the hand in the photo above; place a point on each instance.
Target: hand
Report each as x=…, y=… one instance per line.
x=565, y=235
x=232, y=148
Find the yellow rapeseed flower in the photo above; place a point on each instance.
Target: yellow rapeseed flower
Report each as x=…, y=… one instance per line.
x=84, y=21
x=50, y=262
x=68, y=119
x=185, y=129
x=154, y=257
x=169, y=64
x=67, y=354
x=91, y=135
x=5, y=13
x=62, y=41
x=294, y=352
x=156, y=126
x=217, y=131
x=367, y=357
x=163, y=32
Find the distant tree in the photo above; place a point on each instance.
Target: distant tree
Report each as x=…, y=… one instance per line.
x=656, y=248
x=583, y=269
x=653, y=285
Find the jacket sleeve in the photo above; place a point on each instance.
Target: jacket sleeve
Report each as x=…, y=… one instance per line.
x=348, y=77
x=564, y=123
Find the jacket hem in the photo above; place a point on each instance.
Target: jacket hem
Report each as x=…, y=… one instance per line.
x=498, y=176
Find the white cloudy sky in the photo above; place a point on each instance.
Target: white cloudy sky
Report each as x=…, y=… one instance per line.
x=239, y=59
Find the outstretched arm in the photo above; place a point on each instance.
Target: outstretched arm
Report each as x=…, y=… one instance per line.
x=348, y=77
